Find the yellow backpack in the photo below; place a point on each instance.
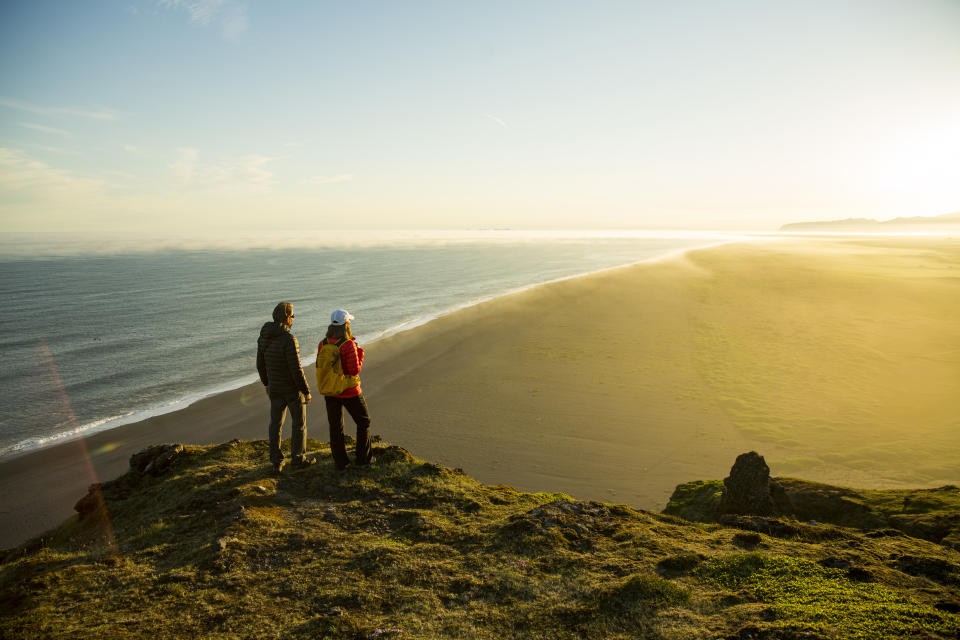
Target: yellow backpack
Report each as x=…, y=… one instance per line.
x=331, y=380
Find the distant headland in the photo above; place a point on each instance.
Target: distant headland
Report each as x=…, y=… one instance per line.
x=945, y=222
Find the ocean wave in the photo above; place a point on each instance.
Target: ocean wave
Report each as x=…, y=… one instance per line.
x=31, y=444
x=112, y=422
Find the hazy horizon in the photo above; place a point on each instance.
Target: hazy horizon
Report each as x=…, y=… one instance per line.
x=51, y=244
x=236, y=115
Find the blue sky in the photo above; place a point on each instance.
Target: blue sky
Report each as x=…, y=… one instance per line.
x=248, y=114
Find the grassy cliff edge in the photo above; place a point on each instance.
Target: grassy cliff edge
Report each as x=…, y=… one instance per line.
x=207, y=542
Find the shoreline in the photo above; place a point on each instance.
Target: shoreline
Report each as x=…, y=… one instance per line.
x=688, y=362
x=105, y=425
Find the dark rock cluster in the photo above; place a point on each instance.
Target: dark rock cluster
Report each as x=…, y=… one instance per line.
x=156, y=459
x=92, y=503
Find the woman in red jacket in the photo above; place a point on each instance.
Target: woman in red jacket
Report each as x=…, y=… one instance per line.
x=351, y=359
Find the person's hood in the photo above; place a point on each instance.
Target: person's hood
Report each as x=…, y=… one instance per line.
x=271, y=330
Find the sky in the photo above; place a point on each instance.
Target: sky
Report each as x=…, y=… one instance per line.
x=257, y=115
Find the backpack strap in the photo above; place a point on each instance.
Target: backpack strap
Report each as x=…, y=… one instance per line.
x=338, y=344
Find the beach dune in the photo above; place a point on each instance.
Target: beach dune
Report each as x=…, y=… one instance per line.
x=837, y=359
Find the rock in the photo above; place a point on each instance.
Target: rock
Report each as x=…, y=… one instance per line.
x=747, y=488
x=92, y=503
x=156, y=459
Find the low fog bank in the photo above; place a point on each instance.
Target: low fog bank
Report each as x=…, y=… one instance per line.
x=52, y=245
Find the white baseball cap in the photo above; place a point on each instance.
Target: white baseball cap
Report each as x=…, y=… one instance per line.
x=340, y=316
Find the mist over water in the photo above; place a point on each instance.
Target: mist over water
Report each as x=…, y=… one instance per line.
x=63, y=244
x=95, y=339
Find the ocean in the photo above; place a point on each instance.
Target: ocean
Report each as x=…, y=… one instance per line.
x=93, y=340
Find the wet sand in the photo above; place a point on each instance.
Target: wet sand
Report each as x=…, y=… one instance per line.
x=837, y=359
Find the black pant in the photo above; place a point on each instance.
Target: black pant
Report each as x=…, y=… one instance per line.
x=298, y=436
x=357, y=408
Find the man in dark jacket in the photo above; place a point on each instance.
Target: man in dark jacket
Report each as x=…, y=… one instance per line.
x=278, y=362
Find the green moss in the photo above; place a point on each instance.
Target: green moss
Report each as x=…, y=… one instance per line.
x=644, y=590
x=804, y=593
x=678, y=564
x=697, y=500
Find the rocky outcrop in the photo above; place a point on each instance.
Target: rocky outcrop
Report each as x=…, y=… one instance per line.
x=747, y=489
x=91, y=504
x=750, y=499
x=156, y=459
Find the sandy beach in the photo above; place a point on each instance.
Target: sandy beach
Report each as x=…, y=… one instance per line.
x=837, y=359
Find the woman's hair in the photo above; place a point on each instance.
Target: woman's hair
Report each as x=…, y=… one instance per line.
x=339, y=332
x=282, y=311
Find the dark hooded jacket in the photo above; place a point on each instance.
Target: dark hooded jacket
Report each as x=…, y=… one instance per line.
x=278, y=360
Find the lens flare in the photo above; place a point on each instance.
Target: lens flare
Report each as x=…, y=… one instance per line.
x=109, y=536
